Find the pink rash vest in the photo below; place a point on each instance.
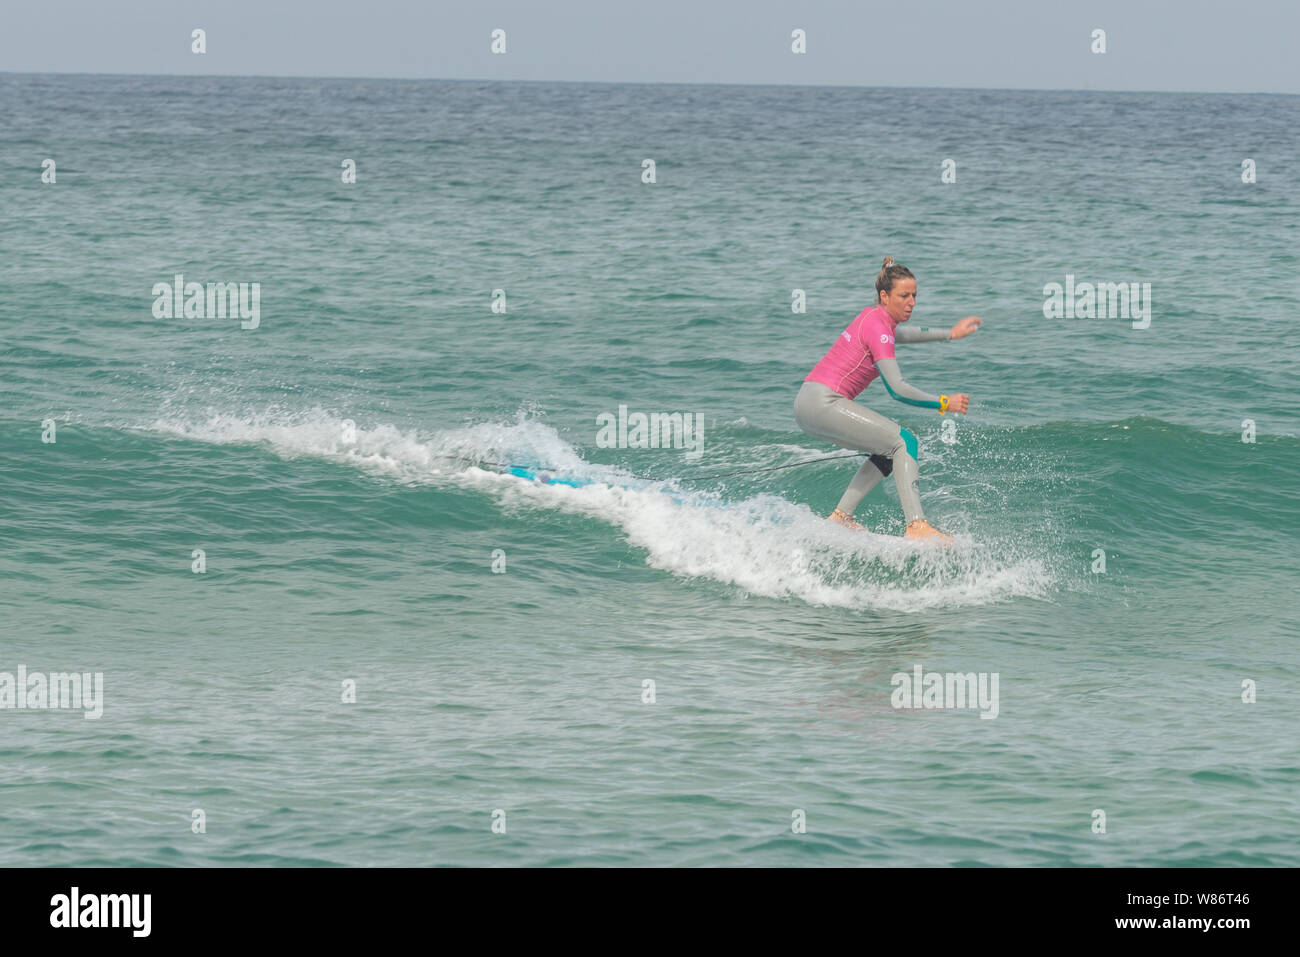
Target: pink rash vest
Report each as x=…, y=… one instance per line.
x=850, y=364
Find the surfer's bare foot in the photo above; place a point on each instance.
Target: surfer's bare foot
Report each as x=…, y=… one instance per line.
x=845, y=519
x=923, y=529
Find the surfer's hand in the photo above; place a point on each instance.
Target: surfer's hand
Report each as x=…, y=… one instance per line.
x=959, y=403
x=965, y=327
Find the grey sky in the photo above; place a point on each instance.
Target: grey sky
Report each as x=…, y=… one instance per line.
x=1178, y=45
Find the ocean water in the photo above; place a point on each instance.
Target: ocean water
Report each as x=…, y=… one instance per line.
x=674, y=665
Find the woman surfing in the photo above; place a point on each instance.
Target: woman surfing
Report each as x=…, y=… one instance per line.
x=865, y=350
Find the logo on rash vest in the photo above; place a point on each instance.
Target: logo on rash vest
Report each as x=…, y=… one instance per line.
x=845, y=336
x=885, y=338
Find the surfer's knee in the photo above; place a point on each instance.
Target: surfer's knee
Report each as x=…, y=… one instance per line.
x=910, y=444
x=905, y=441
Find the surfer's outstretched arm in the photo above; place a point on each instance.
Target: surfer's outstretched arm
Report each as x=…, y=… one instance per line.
x=900, y=390
x=907, y=334
x=961, y=330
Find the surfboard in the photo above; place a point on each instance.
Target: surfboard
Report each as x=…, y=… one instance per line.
x=547, y=477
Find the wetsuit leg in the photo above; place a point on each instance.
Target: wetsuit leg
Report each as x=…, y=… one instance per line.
x=866, y=478
x=868, y=475
x=823, y=412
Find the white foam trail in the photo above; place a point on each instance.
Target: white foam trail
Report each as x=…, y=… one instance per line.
x=316, y=434
x=774, y=548
x=765, y=545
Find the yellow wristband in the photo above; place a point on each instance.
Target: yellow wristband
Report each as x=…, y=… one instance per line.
x=943, y=404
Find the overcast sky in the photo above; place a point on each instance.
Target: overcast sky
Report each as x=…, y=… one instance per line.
x=1178, y=45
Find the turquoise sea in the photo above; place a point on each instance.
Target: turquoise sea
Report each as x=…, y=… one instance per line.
x=241, y=527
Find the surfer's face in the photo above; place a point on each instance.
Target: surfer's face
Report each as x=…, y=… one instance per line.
x=900, y=300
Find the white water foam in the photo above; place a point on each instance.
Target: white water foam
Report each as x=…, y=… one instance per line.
x=764, y=545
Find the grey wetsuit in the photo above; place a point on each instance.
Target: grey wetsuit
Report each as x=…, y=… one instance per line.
x=825, y=413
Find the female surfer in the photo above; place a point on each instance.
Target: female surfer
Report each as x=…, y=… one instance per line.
x=825, y=406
